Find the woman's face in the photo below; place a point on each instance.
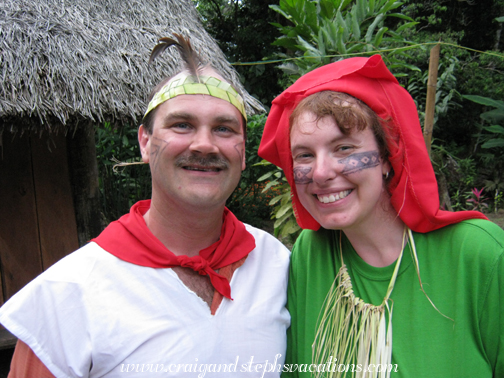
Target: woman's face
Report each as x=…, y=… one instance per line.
x=338, y=178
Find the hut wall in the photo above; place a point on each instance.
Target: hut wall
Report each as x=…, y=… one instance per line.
x=37, y=217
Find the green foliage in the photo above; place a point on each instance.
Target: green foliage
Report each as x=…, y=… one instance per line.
x=472, y=21
x=285, y=226
x=120, y=189
x=496, y=137
x=323, y=29
x=446, y=92
x=429, y=13
x=498, y=200
x=456, y=176
x=491, y=135
x=243, y=30
x=317, y=32
x=249, y=201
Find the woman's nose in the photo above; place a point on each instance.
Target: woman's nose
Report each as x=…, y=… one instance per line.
x=324, y=169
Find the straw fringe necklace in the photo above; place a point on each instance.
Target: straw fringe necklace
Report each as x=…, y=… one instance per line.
x=352, y=331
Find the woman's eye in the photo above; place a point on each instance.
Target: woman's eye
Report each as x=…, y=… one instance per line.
x=304, y=155
x=344, y=148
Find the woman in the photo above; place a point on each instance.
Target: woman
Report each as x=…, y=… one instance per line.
x=381, y=280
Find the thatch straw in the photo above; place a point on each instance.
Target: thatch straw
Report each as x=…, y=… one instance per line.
x=63, y=61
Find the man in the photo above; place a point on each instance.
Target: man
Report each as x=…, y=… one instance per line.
x=178, y=286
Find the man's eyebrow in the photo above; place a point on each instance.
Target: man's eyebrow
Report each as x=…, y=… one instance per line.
x=227, y=119
x=178, y=115
x=188, y=117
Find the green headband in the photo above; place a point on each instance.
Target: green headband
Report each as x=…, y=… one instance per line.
x=191, y=85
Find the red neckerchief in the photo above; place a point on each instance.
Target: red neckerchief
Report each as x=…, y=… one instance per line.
x=130, y=240
x=414, y=191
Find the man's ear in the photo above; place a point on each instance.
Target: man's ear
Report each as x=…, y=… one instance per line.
x=144, y=142
x=243, y=157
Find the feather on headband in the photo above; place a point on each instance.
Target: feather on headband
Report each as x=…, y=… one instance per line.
x=192, y=60
x=195, y=82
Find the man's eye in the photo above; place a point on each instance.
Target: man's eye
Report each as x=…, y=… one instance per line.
x=181, y=125
x=223, y=129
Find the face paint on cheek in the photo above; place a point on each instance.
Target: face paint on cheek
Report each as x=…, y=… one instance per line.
x=301, y=175
x=359, y=161
x=157, y=149
x=239, y=148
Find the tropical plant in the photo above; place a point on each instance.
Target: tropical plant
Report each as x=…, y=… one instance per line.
x=446, y=92
x=249, y=201
x=491, y=138
x=477, y=199
x=323, y=30
x=243, y=30
x=455, y=176
x=285, y=226
x=472, y=20
x=495, y=116
x=120, y=188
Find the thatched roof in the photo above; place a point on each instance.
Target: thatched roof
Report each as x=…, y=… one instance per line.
x=68, y=61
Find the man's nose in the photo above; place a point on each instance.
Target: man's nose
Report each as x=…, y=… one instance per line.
x=204, y=143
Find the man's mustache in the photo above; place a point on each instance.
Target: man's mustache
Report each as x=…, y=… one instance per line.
x=211, y=161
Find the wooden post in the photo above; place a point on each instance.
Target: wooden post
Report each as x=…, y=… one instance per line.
x=430, y=104
x=84, y=179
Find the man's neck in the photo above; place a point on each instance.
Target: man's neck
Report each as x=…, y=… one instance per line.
x=184, y=231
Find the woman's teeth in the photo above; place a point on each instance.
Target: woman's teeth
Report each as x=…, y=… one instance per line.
x=325, y=198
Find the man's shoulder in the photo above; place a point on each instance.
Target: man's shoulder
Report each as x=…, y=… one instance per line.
x=77, y=266
x=72, y=271
x=268, y=248
x=262, y=236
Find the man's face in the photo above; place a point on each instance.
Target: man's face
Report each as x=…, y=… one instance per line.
x=196, y=151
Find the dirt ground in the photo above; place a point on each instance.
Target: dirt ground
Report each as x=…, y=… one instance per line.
x=497, y=218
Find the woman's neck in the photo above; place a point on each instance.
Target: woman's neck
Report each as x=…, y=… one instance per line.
x=380, y=243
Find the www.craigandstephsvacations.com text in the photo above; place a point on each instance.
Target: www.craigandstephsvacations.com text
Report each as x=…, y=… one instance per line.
x=260, y=369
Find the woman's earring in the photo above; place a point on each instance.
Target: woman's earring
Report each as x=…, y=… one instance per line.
x=386, y=176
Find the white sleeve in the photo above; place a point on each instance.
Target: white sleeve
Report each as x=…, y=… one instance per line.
x=49, y=315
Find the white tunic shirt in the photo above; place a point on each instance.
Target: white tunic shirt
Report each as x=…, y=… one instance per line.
x=94, y=315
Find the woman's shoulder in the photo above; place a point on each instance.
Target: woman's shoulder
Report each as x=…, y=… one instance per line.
x=310, y=237
x=473, y=231
x=314, y=245
x=471, y=243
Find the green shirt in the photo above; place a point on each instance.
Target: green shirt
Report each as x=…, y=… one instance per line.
x=462, y=271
